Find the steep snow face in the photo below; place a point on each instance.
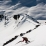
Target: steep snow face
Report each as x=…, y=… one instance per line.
x=37, y=36
x=10, y=31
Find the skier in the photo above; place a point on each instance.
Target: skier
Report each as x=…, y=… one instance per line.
x=24, y=39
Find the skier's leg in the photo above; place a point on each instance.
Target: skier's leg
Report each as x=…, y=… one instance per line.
x=28, y=41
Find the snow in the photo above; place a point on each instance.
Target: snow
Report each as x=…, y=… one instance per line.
x=38, y=36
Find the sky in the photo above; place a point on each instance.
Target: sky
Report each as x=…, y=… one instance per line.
x=27, y=3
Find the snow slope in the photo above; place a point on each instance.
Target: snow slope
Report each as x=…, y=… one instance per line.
x=38, y=36
x=8, y=32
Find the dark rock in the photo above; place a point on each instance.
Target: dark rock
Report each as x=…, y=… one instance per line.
x=16, y=17
x=1, y=17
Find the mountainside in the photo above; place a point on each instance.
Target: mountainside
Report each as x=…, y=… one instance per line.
x=37, y=36
x=17, y=21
